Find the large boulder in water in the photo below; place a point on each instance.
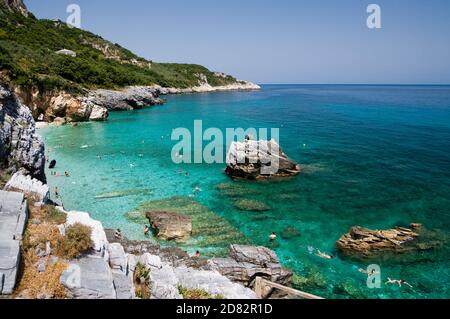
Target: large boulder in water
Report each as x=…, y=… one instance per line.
x=170, y=225
x=365, y=243
x=259, y=160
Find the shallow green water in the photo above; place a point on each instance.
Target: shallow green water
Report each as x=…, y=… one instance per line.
x=375, y=156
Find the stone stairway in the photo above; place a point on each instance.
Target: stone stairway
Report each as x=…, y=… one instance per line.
x=13, y=218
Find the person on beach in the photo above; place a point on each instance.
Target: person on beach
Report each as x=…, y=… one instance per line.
x=273, y=236
x=323, y=255
x=146, y=230
x=197, y=254
x=400, y=282
x=118, y=234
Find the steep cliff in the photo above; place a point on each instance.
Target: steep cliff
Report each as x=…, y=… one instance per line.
x=20, y=146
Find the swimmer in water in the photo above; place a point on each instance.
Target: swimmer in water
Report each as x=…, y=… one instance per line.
x=400, y=282
x=368, y=273
x=273, y=236
x=323, y=255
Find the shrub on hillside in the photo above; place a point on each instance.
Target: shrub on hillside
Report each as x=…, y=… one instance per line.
x=77, y=240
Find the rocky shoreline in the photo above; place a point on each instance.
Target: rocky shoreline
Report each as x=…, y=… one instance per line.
x=62, y=107
x=108, y=270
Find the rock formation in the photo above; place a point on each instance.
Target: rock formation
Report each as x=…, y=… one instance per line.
x=169, y=225
x=28, y=186
x=17, y=5
x=20, y=145
x=258, y=160
x=365, y=243
x=248, y=262
x=131, y=98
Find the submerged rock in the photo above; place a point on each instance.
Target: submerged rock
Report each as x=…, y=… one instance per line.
x=255, y=160
x=217, y=239
x=170, y=225
x=251, y=205
x=290, y=232
x=366, y=243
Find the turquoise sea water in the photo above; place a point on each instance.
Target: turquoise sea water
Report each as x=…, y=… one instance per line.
x=375, y=156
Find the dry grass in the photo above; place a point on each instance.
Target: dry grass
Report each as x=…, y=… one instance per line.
x=40, y=234
x=33, y=283
x=142, y=282
x=77, y=240
x=42, y=228
x=197, y=294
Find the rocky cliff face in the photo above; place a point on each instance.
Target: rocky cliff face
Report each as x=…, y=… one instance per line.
x=20, y=146
x=15, y=5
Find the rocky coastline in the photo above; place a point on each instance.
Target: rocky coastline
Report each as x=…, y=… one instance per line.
x=120, y=267
x=60, y=107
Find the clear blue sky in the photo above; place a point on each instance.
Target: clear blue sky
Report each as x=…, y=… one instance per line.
x=278, y=41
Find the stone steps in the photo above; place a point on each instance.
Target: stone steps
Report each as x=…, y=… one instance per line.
x=13, y=218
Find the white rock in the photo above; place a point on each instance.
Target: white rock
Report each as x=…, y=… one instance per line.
x=164, y=283
x=98, y=113
x=213, y=283
x=117, y=258
x=29, y=185
x=151, y=261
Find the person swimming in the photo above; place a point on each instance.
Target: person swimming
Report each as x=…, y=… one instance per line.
x=399, y=282
x=67, y=174
x=323, y=255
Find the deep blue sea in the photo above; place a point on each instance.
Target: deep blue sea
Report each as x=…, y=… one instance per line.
x=374, y=156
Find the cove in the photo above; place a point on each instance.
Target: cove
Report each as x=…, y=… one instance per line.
x=374, y=156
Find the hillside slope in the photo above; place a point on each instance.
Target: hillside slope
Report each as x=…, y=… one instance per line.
x=66, y=74
x=28, y=52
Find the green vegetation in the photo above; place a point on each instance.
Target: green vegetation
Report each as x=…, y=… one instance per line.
x=142, y=282
x=76, y=240
x=4, y=178
x=197, y=294
x=28, y=49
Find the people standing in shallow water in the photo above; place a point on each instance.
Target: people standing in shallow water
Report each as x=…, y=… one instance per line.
x=118, y=234
x=273, y=237
x=146, y=230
